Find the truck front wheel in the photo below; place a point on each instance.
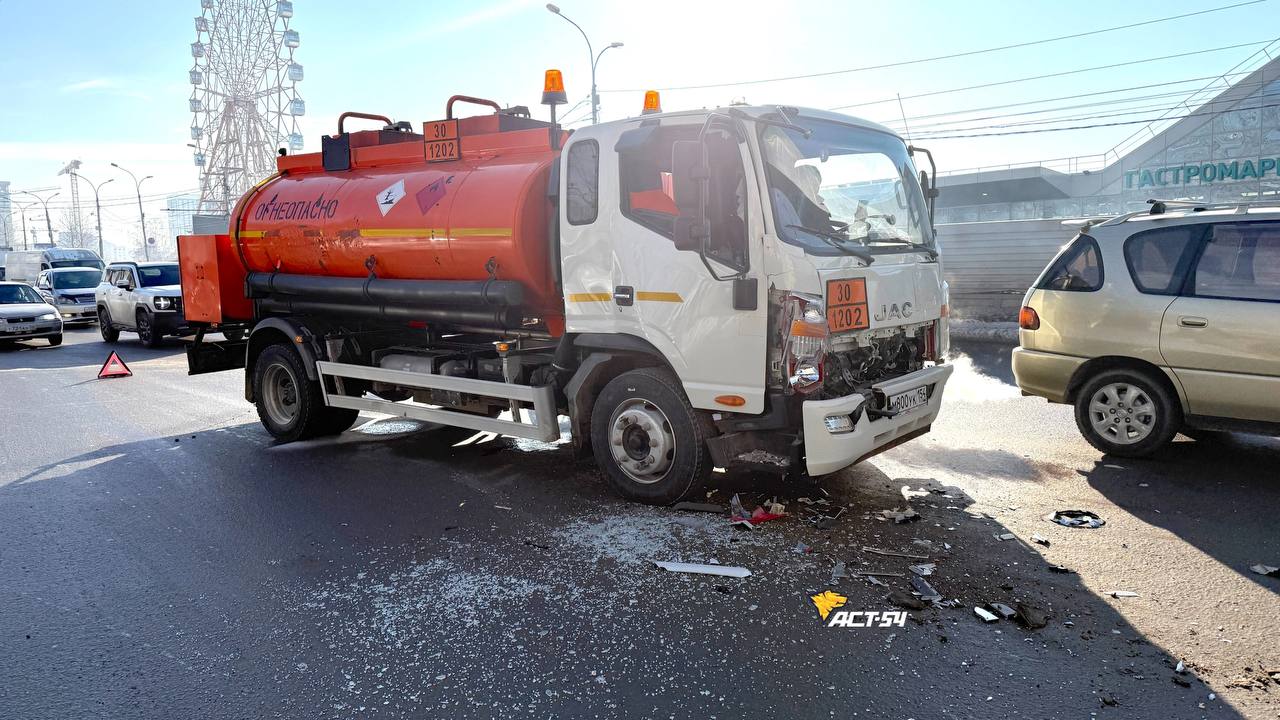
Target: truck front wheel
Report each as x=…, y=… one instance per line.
x=648, y=439
x=290, y=406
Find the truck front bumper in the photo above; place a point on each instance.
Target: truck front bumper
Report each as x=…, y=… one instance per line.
x=827, y=451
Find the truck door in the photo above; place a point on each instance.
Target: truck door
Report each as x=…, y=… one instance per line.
x=1222, y=336
x=622, y=272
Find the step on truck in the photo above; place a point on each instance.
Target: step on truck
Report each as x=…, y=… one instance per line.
x=752, y=286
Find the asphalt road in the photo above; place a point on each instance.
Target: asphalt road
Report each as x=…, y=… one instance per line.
x=160, y=557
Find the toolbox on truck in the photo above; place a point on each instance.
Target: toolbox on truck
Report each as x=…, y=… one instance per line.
x=212, y=280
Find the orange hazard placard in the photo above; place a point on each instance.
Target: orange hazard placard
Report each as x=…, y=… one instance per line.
x=114, y=367
x=442, y=140
x=847, y=305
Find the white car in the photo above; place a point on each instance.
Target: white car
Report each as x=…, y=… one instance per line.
x=24, y=315
x=145, y=298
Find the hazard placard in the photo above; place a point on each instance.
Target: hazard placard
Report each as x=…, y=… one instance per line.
x=114, y=367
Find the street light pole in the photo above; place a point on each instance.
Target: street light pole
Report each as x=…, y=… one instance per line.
x=591, y=56
x=48, y=224
x=22, y=210
x=97, y=206
x=142, y=217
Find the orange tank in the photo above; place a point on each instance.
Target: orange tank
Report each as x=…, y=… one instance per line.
x=478, y=210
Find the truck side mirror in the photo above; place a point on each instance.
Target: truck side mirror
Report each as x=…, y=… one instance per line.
x=689, y=175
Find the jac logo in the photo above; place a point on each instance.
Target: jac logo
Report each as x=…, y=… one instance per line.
x=894, y=312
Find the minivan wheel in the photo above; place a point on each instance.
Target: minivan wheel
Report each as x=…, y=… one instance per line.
x=290, y=406
x=1127, y=413
x=109, y=332
x=648, y=439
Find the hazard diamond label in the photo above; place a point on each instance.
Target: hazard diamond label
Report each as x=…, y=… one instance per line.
x=388, y=198
x=114, y=367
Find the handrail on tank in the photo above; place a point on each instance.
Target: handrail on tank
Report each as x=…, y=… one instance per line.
x=448, y=108
x=365, y=116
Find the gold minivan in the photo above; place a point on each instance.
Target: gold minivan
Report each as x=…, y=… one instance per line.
x=1161, y=321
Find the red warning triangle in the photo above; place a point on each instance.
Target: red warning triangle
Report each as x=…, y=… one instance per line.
x=114, y=367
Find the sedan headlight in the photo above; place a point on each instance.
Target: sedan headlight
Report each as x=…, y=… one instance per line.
x=164, y=303
x=48, y=316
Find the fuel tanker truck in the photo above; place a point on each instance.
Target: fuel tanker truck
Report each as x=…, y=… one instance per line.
x=751, y=286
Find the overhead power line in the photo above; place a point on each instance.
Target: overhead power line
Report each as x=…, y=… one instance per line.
x=1097, y=125
x=951, y=56
x=1053, y=75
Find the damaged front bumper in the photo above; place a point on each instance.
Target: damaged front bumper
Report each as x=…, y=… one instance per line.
x=852, y=433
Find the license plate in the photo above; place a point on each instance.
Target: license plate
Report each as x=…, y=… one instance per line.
x=909, y=400
x=21, y=328
x=847, y=305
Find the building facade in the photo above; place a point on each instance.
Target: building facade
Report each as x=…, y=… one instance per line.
x=1007, y=221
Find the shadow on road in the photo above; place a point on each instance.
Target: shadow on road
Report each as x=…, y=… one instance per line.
x=1235, y=526
x=219, y=565
x=81, y=347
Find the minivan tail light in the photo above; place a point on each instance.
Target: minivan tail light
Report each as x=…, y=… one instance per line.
x=1028, y=319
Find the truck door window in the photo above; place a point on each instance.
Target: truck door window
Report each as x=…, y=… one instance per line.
x=583, y=182
x=644, y=166
x=1240, y=262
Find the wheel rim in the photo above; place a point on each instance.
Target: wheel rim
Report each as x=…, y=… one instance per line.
x=279, y=395
x=1122, y=413
x=641, y=440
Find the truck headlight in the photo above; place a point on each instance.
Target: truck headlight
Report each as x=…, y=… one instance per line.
x=805, y=342
x=163, y=303
x=48, y=316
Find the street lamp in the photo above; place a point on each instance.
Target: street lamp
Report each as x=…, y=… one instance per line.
x=48, y=225
x=593, y=57
x=97, y=205
x=22, y=210
x=142, y=217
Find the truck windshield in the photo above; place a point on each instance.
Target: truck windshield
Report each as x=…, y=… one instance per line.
x=844, y=190
x=154, y=275
x=76, y=280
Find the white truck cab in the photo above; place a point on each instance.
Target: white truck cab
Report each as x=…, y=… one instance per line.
x=781, y=260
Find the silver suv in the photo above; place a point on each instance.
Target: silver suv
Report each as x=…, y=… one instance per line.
x=145, y=298
x=1161, y=321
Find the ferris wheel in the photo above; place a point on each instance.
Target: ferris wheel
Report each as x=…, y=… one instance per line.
x=244, y=96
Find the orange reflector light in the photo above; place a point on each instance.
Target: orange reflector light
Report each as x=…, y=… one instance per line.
x=800, y=328
x=502, y=347
x=946, y=310
x=652, y=103
x=553, y=89
x=731, y=400
x=1028, y=319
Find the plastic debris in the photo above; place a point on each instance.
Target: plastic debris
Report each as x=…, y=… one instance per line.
x=890, y=553
x=923, y=587
x=699, y=507
x=908, y=493
x=698, y=569
x=1039, y=539
x=1181, y=668
x=985, y=615
x=1003, y=610
x=1029, y=617
x=1004, y=536
x=901, y=516
x=865, y=573
x=875, y=581
x=905, y=600
x=1266, y=570
x=802, y=549
x=501, y=507
x=1076, y=518
x=923, y=568
x=1061, y=569
x=838, y=572
x=1122, y=594
x=738, y=515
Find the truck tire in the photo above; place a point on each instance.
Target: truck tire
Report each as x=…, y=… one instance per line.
x=290, y=406
x=1127, y=413
x=109, y=332
x=648, y=439
x=146, y=328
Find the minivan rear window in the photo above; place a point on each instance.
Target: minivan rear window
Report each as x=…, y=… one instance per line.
x=1076, y=269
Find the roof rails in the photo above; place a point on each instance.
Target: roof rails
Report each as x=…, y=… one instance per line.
x=1159, y=207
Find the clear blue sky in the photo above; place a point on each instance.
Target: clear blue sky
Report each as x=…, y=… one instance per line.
x=106, y=81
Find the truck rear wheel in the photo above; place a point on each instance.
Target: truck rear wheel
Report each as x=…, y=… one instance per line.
x=290, y=406
x=648, y=439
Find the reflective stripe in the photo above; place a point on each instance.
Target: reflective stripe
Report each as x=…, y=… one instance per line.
x=590, y=297
x=659, y=296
